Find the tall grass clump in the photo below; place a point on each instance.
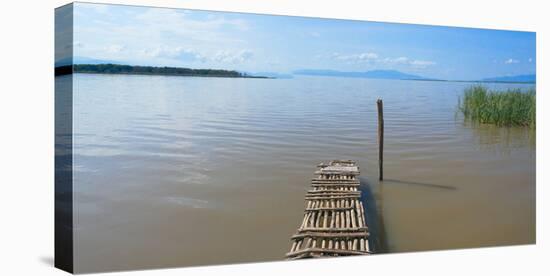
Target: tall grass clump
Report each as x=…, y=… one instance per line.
x=512, y=107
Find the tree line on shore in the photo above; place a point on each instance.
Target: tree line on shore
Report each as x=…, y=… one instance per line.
x=152, y=70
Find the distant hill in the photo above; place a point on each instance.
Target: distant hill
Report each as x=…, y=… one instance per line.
x=518, y=78
x=374, y=74
x=86, y=60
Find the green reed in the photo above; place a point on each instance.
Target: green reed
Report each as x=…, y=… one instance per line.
x=512, y=107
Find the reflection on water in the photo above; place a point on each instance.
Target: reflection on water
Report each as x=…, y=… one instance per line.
x=428, y=185
x=374, y=206
x=175, y=171
x=503, y=139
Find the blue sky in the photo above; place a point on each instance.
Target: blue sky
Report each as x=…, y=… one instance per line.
x=260, y=43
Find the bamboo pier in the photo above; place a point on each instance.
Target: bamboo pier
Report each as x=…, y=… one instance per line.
x=334, y=221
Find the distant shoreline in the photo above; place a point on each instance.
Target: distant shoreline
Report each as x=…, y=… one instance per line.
x=475, y=81
x=117, y=69
x=398, y=75
x=173, y=75
x=413, y=79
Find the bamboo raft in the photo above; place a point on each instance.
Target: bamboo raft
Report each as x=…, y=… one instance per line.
x=334, y=220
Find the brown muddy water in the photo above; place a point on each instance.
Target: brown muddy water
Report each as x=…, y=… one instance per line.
x=181, y=171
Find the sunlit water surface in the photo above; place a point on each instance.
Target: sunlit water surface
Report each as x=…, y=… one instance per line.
x=176, y=171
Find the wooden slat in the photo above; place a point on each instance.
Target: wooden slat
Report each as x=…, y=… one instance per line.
x=339, y=229
x=328, y=209
x=343, y=181
x=342, y=252
x=332, y=186
x=333, y=223
x=340, y=192
x=318, y=197
x=333, y=192
x=359, y=234
x=327, y=172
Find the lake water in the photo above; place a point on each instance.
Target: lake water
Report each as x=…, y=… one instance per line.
x=177, y=171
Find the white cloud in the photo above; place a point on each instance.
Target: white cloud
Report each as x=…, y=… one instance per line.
x=137, y=36
x=399, y=60
x=356, y=58
x=421, y=63
x=178, y=53
x=233, y=57
x=191, y=55
x=375, y=59
x=405, y=61
x=178, y=21
x=511, y=61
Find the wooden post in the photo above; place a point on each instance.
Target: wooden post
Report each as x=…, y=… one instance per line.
x=380, y=139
